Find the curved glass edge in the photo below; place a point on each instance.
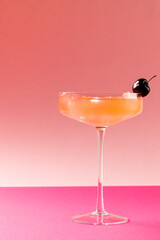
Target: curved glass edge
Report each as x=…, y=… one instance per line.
x=125, y=95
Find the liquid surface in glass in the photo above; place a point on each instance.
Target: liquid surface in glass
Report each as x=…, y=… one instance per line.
x=100, y=111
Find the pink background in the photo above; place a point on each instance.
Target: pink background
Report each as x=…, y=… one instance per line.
x=76, y=45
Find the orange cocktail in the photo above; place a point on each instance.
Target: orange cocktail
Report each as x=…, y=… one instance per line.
x=100, y=110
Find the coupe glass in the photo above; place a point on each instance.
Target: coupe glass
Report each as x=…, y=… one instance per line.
x=100, y=111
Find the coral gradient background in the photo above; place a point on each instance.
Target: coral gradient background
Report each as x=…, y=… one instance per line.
x=76, y=45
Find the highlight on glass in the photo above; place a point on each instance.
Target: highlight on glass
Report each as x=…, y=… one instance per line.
x=100, y=110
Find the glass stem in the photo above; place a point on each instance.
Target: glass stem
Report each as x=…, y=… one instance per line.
x=100, y=204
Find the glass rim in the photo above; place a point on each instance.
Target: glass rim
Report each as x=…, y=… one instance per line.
x=101, y=94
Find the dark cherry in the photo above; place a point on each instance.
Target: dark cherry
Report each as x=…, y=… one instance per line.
x=141, y=86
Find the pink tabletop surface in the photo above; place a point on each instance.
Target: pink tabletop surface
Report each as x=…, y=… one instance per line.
x=45, y=213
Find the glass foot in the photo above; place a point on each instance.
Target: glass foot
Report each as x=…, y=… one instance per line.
x=99, y=219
